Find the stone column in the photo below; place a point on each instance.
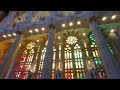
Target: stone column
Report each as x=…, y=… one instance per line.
x=48, y=60
x=63, y=57
x=109, y=62
x=73, y=61
x=8, y=60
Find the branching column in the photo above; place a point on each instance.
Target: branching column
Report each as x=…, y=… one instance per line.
x=8, y=60
x=48, y=60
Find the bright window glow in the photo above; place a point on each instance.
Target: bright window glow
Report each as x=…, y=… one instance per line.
x=71, y=24
x=30, y=31
x=43, y=29
x=104, y=18
x=9, y=35
x=59, y=37
x=14, y=34
x=112, y=30
x=113, y=17
x=63, y=25
x=78, y=22
x=30, y=45
x=89, y=63
x=71, y=40
x=4, y=35
x=84, y=34
x=36, y=30
x=37, y=40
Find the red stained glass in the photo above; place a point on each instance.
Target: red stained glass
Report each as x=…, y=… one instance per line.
x=38, y=76
x=53, y=76
x=26, y=67
x=19, y=67
x=40, y=71
x=22, y=59
x=24, y=75
x=68, y=70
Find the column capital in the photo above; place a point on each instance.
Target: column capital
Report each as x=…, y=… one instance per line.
x=51, y=26
x=93, y=18
x=18, y=32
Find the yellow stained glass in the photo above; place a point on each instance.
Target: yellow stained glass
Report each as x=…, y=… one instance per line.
x=78, y=47
x=38, y=50
x=76, y=65
x=93, y=53
x=54, y=56
x=92, y=45
x=32, y=51
x=79, y=64
x=59, y=54
x=72, y=75
x=25, y=52
x=75, y=54
x=75, y=47
x=53, y=67
x=85, y=45
x=30, y=45
x=67, y=54
x=89, y=63
x=65, y=65
x=68, y=65
x=96, y=53
x=70, y=55
x=71, y=64
x=87, y=54
x=67, y=45
x=59, y=47
x=80, y=54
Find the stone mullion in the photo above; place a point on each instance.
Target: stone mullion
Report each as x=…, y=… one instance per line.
x=38, y=60
x=73, y=61
x=84, y=58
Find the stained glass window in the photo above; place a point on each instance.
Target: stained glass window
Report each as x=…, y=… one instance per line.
x=79, y=64
x=25, y=63
x=74, y=59
x=68, y=63
x=41, y=63
x=96, y=58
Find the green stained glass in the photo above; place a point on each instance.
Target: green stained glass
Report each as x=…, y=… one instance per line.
x=100, y=62
x=93, y=43
x=111, y=50
x=96, y=62
x=82, y=63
